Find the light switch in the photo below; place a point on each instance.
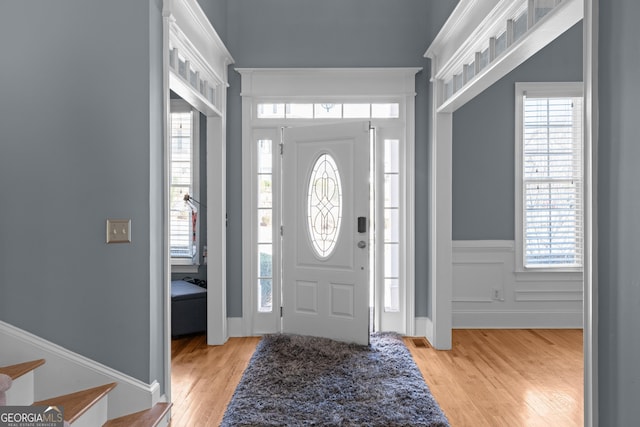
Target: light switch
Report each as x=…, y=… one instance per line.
x=118, y=231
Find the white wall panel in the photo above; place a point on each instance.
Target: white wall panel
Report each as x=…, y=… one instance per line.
x=487, y=293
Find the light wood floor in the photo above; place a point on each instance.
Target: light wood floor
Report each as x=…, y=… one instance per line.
x=491, y=378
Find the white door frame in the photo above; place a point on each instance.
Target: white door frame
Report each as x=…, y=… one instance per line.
x=590, y=303
x=331, y=84
x=195, y=67
x=468, y=30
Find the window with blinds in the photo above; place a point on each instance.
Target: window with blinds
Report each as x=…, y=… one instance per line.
x=551, y=184
x=182, y=159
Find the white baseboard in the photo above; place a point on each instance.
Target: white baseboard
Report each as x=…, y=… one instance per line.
x=234, y=327
x=424, y=328
x=96, y=415
x=66, y=372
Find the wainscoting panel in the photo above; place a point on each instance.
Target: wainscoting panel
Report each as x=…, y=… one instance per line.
x=489, y=293
x=476, y=281
x=548, y=295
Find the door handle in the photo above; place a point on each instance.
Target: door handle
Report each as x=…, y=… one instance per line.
x=362, y=244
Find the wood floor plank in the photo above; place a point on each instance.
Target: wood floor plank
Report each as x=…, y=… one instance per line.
x=205, y=377
x=507, y=377
x=490, y=378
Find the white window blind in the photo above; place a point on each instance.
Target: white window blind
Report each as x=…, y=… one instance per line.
x=552, y=181
x=183, y=217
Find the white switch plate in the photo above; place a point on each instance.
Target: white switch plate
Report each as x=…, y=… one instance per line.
x=118, y=231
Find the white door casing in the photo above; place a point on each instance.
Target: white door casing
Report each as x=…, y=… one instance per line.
x=277, y=88
x=325, y=286
x=446, y=52
x=189, y=40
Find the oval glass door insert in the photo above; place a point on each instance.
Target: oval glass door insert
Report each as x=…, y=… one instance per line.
x=324, y=205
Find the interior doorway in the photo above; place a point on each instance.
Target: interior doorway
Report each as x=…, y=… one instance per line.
x=195, y=67
x=187, y=198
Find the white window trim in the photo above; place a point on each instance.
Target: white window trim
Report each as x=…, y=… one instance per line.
x=336, y=85
x=186, y=264
x=540, y=89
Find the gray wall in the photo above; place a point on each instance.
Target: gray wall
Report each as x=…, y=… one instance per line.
x=484, y=147
x=216, y=11
x=619, y=214
x=328, y=33
x=80, y=121
x=79, y=138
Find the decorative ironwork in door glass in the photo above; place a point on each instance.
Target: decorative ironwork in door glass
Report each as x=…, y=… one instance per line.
x=324, y=201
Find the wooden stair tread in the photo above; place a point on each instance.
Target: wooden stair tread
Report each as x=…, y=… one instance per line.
x=76, y=404
x=18, y=370
x=146, y=418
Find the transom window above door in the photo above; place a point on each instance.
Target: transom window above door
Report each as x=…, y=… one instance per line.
x=328, y=110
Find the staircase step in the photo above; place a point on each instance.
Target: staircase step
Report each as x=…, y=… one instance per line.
x=76, y=404
x=22, y=388
x=16, y=371
x=147, y=418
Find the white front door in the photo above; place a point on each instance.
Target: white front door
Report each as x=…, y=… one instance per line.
x=325, y=246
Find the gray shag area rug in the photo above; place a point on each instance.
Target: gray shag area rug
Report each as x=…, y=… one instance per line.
x=296, y=380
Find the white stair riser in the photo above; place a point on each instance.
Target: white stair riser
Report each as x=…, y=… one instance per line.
x=21, y=391
x=164, y=422
x=95, y=416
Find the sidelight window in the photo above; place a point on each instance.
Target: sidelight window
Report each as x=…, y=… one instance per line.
x=265, y=225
